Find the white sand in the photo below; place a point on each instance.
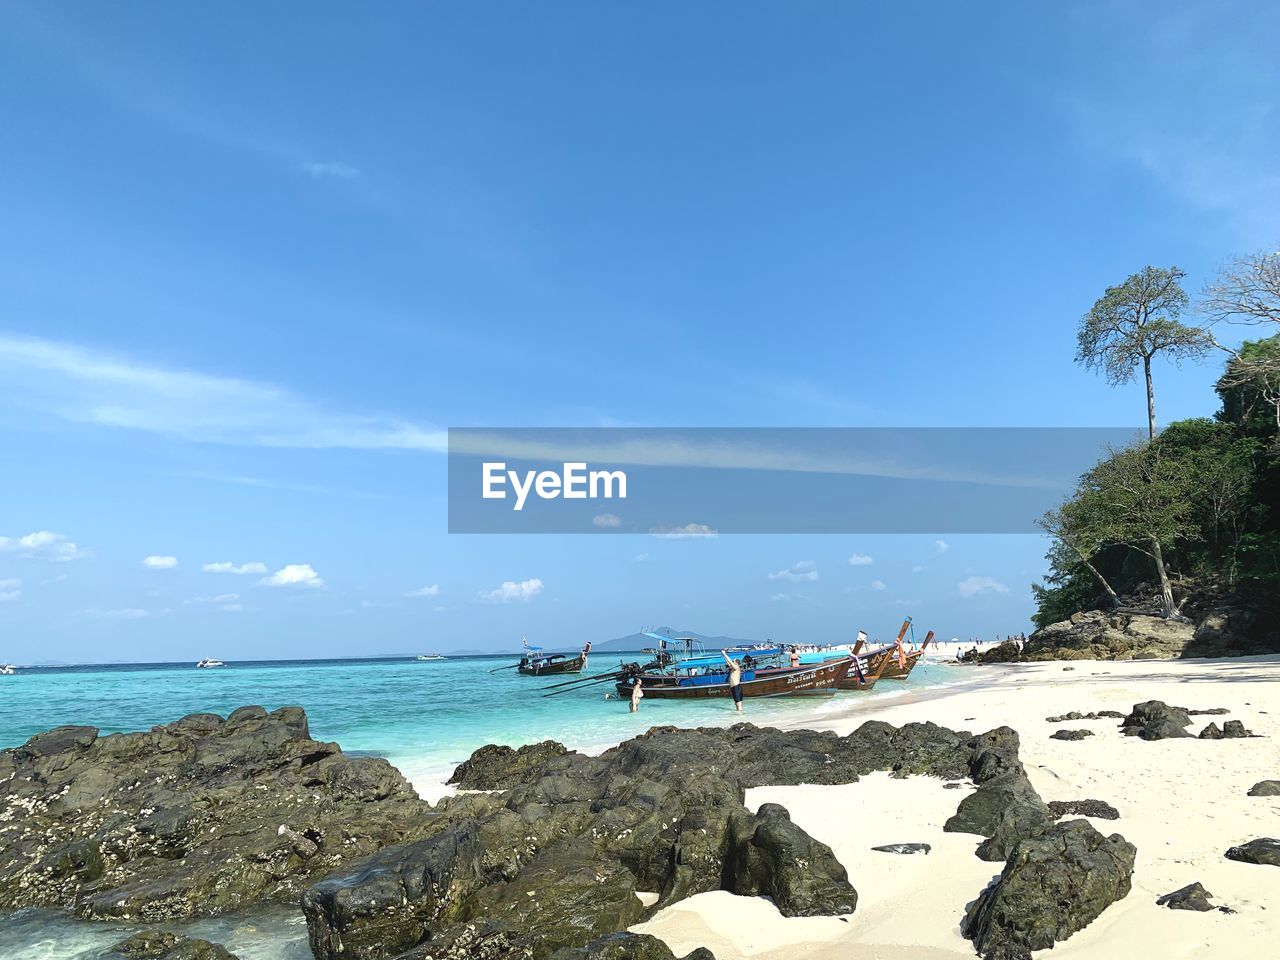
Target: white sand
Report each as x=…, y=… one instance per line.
x=1182, y=803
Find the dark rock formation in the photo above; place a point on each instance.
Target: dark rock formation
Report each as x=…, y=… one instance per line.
x=495, y=767
x=627, y=946
x=1099, y=635
x=1007, y=652
x=1265, y=788
x=1052, y=886
x=1070, y=734
x=1076, y=715
x=185, y=819
x=1156, y=720
x=162, y=945
x=1264, y=851
x=769, y=856
x=1191, y=897
x=905, y=848
x=1083, y=808
x=1231, y=730
x=1210, y=732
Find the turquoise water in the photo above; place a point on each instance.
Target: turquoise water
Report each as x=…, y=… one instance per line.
x=425, y=717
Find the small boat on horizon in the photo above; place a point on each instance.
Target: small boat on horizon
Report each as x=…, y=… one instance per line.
x=7, y=669
x=209, y=662
x=430, y=656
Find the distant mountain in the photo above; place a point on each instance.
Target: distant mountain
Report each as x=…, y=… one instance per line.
x=638, y=641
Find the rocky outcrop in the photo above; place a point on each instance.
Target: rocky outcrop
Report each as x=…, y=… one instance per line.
x=1093, y=715
x=1156, y=720
x=1005, y=808
x=1099, y=635
x=770, y=856
x=1264, y=850
x=1070, y=734
x=495, y=767
x=1191, y=897
x=163, y=945
x=1099, y=809
x=627, y=946
x=1265, y=788
x=185, y=819
x=904, y=848
x=1051, y=887
x=1231, y=730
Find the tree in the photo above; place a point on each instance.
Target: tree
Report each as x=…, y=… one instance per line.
x=1133, y=323
x=1077, y=540
x=1246, y=290
x=1250, y=387
x=1142, y=498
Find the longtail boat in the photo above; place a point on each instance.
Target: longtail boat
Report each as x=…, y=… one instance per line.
x=861, y=677
x=897, y=661
x=535, y=663
x=699, y=678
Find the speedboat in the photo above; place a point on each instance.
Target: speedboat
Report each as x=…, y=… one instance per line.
x=431, y=656
x=210, y=662
x=7, y=669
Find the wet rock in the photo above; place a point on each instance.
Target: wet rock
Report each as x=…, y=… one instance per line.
x=770, y=856
x=1191, y=897
x=184, y=819
x=905, y=848
x=1265, y=788
x=195, y=949
x=1070, y=734
x=1083, y=808
x=1263, y=851
x=163, y=945
x=627, y=946
x=1051, y=887
x=495, y=767
x=1156, y=720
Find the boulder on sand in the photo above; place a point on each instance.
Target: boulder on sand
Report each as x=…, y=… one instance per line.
x=1083, y=808
x=1265, y=788
x=770, y=856
x=1156, y=720
x=1100, y=635
x=1191, y=897
x=1263, y=851
x=1052, y=886
x=1070, y=734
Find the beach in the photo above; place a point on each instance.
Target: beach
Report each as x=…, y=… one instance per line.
x=1182, y=802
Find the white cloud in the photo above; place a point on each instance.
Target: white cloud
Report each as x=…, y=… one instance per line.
x=233, y=607
x=227, y=566
x=941, y=546
x=777, y=597
x=861, y=560
x=127, y=613
x=918, y=568
x=972, y=586
x=606, y=520
x=88, y=386
x=156, y=562
x=219, y=599
x=878, y=585
x=10, y=589
x=293, y=575
x=512, y=592
x=640, y=558
x=331, y=169
x=429, y=591
x=43, y=545
x=804, y=570
x=690, y=531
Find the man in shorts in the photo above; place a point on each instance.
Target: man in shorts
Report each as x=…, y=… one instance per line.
x=735, y=680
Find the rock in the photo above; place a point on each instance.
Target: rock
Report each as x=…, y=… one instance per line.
x=1070, y=734
x=1076, y=715
x=1156, y=720
x=627, y=946
x=1051, y=887
x=1234, y=729
x=170, y=946
x=495, y=767
x=1099, y=635
x=1263, y=851
x=1083, y=808
x=1211, y=732
x=772, y=857
x=1005, y=809
x=1010, y=651
x=183, y=820
x=906, y=848
x=1191, y=897
x=1265, y=788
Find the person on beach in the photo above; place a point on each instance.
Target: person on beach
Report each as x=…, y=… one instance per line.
x=636, y=696
x=735, y=680
x=795, y=657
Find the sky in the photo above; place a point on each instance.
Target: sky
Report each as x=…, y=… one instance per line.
x=255, y=260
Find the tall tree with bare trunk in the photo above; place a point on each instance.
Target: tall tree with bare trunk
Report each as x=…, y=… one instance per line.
x=1133, y=323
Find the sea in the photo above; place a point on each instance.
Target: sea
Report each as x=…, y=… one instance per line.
x=425, y=717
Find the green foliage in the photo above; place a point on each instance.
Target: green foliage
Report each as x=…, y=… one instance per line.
x=1250, y=389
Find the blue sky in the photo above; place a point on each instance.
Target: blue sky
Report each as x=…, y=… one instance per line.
x=256, y=259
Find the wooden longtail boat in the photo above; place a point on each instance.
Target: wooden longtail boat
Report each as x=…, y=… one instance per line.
x=537, y=664
x=819, y=680
x=897, y=666
x=864, y=679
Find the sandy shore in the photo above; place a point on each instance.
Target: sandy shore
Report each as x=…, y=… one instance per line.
x=1181, y=802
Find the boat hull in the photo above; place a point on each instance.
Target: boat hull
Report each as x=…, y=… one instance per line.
x=555, y=668
x=820, y=680
x=891, y=670
x=870, y=674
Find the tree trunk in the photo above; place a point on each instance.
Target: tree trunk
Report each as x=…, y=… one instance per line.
x=1098, y=576
x=1169, y=608
x=1151, y=399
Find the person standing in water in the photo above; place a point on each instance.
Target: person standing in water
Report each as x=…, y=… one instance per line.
x=735, y=680
x=636, y=696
